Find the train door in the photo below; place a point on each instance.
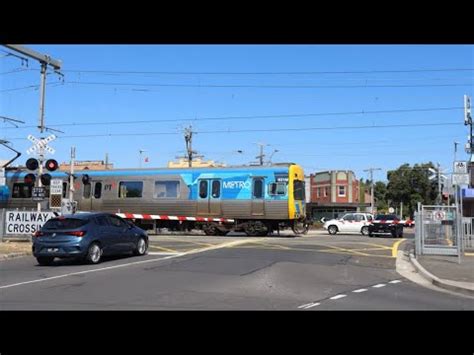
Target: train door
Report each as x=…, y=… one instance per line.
x=209, y=197
x=96, y=196
x=258, y=197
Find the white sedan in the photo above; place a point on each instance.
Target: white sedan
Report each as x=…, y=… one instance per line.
x=350, y=223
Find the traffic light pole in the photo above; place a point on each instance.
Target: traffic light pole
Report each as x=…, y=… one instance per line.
x=41, y=126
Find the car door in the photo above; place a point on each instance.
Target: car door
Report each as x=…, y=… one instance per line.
x=105, y=232
x=359, y=221
x=347, y=223
x=122, y=238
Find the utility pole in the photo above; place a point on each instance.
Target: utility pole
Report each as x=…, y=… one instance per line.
x=371, y=171
x=468, y=122
x=45, y=61
x=261, y=155
x=71, y=177
x=440, y=198
x=190, y=153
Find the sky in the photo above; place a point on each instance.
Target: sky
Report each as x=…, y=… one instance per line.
x=304, y=102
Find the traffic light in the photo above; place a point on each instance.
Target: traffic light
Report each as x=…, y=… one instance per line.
x=51, y=165
x=30, y=179
x=32, y=164
x=45, y=179
x=86, y=179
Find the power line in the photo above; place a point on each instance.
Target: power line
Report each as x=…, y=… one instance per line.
x=260, y=130
x=266, y=86
x=270, y=73
x=224, y=118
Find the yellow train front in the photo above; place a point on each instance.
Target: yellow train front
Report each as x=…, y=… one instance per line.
x=254, y=199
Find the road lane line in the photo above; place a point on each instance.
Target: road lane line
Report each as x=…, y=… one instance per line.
x=312, y=305
x=161, y=253
x=394, y=281
x=305, y=305
x=337, y=297
x=360, y=290
x=379, y=285
x=395, y=247
x=162, y=248
x=223, y=245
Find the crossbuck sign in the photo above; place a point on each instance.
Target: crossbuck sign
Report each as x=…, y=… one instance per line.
x=40, y=144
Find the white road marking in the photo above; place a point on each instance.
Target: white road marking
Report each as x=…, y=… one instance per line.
x=337, y=297
x=161, y=253
x=378, y=285
x=305, y=305
x=360, y=290
x=194, y=251
x=394, y=281
x=312, y=305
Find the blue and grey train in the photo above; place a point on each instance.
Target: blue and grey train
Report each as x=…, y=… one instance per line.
x=259, y=199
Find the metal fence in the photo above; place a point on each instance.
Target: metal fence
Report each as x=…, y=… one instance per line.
x=438, y=231
x=468, y=233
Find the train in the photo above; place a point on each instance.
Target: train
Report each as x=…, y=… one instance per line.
x=257, y=200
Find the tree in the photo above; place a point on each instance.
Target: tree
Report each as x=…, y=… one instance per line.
x=411, y=185
x=380, y=192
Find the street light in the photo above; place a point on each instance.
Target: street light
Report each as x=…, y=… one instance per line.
x=140, y=151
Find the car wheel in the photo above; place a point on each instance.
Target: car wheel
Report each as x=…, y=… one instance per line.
x=371, y=235
x=394, y=234
x=94, y=253
x=332, y=230
x=142, y=247
x=400, y=235
x=365, y=230
x=45, y=260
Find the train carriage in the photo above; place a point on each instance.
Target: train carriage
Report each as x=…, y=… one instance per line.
x=257, y=200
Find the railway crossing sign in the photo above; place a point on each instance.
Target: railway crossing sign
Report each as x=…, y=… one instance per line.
x=38, y=193
x=460, y=167
x=40, y=144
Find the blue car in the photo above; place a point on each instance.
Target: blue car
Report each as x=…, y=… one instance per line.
x=87, y=236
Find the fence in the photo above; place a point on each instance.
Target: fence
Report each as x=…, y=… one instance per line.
x=438, y=231
x=468, y=233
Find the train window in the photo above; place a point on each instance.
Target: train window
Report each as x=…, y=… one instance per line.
x=277, y=188
x=97, y=190
x=298, y=190
x=258, y=188
x=166, y=189
x=216, y=189
x=86, y=192
x=203, y=189
x=64, y=189
x=21, y=190
x=130, y=189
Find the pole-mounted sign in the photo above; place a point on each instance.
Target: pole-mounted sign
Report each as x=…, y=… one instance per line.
x=40, y=144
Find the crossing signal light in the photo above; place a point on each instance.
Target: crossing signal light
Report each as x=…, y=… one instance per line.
x=30, y=179
x=45, y=179
x=51, y=165
x=86, y=179
x=32, y=164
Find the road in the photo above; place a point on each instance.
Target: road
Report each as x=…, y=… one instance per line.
x=196, y=272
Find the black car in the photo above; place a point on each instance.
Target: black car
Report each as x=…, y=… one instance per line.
x=386, y=224
x=87, y=236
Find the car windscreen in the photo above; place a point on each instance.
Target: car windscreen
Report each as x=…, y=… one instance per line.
x=65, y=223
x=386, y=217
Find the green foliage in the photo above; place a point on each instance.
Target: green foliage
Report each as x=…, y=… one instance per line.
x=411, y=185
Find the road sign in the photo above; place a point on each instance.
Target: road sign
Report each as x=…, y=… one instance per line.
x=40, y=144
x=460, y=167
x=460, y=179
x=391, y=210
x=439, y=215
x=38, y=193
x=56, y=187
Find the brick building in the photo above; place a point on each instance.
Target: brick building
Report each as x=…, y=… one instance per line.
x=335, y=192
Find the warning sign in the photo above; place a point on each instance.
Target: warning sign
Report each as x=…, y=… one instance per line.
x=439, y=215
x=18, y=223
